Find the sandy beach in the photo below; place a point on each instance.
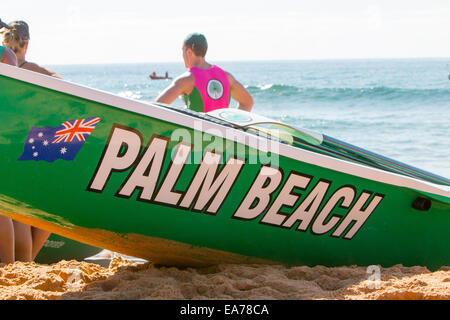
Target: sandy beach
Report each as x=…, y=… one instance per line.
x=127, y=280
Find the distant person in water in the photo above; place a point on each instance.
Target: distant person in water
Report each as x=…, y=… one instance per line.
x=17, y=39
x=28, y=240
x=204, y=87
x=156, y=77
x=6, y=225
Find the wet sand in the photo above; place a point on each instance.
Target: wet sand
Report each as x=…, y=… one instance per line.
x=127, y=280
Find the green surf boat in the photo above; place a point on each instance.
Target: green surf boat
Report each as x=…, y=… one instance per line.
x=181, y=188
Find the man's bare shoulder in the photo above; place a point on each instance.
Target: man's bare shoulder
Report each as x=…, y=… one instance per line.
x=185, y=78
x=230, y=77
x=185, y=82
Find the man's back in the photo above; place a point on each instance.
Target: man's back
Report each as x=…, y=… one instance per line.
x=204, y=86
x=210, y=91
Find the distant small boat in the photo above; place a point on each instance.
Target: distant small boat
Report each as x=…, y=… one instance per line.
x=153, y=76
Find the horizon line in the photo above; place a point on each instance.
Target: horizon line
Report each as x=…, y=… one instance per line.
x=257, y=60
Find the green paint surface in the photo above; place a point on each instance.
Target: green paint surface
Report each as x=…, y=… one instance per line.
x=395, y=233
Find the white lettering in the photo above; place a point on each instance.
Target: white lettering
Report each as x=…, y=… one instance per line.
x=358, y=214
x=308, y=208
x=165, y=193
x=207, y=186
x=146, y=173
x=285, y=198
x=113, y=160
x=345, y=193
x=261, y=192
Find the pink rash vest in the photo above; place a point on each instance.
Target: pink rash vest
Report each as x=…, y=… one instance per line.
x=211, y=90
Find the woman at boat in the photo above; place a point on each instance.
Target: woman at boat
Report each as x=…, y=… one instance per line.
x=7, y=55
x=204, y=87
x=17, y=39
x=28, y=240
x=6, y=225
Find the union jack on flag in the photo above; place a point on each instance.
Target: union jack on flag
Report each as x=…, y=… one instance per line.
x=76, y=129
x=53, y=143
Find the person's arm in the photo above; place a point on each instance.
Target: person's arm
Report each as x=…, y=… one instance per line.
x=240, y=94
x=182, y=84
x=36, y=68
x=8, y=57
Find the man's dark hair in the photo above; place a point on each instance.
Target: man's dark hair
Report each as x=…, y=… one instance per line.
x=197, y=43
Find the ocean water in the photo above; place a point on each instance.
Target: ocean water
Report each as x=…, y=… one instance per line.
x=398, y=108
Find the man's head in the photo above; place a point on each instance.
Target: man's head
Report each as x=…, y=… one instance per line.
x=194, y=47
x=17, y=36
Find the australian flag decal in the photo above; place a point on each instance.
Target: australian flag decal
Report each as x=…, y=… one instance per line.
x=53, y=143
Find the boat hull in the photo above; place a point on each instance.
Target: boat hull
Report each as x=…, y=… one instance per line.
x=287, y=206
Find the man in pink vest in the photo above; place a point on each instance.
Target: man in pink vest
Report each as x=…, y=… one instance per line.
x=204, y=87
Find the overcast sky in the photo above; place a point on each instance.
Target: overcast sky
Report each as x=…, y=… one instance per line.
x=100, y=31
